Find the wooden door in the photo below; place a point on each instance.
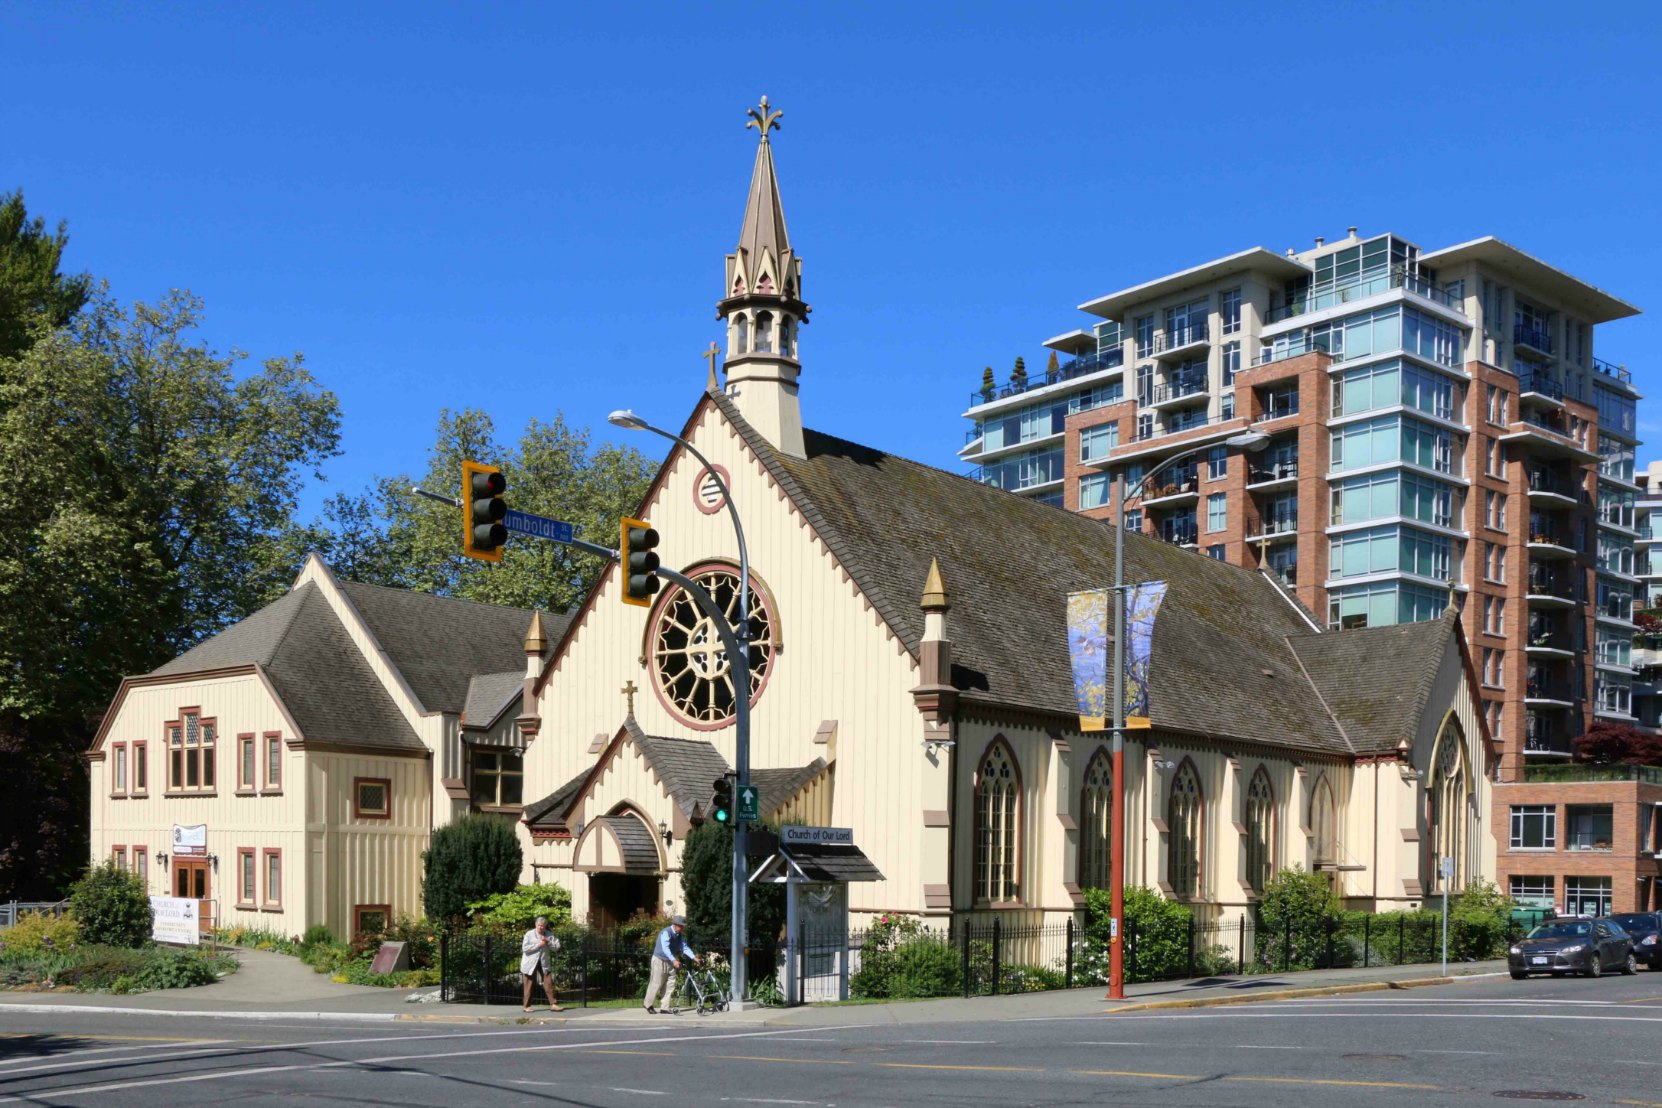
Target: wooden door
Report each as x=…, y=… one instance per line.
x=190, y=880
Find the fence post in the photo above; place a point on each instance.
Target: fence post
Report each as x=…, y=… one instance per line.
x=1240, y=946
x=1402, y=926
x=966, y=958
x=485, y=970
x=802, y=963
x=1367, y=922
x=584, y=1003
x=1191, y=965
x=998, y=932
x=1328, y=925
x=1129, y=958
x=1068, y=979
x=1287, y=945
x=444, y=968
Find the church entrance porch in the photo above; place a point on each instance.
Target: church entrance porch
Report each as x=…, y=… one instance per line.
x=616, y=897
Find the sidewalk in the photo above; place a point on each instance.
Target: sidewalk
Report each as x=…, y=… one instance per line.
x=273, y=986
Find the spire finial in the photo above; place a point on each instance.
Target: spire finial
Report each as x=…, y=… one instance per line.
x=712, y=354
x=934, y=590
x=763, y=118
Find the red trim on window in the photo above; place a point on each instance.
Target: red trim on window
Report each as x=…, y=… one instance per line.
x=119, y=779
x=358, y=911
x=252, y=884
x=273, y=780
x=265, y=877
x=207, y=783
x=359, y=813
x=139, y=768
x=249, y=784
x=141, y=864
x=118, y=855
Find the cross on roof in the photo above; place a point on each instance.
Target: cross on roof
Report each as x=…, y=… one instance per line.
x=710, y=354
x=629, y=690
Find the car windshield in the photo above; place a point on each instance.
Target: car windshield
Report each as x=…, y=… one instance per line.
x=1638, y=921
x=1573, y=929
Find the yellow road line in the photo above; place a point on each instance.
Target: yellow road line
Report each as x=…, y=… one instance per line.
x=1133, y=1073
x=795, y=1061
x=1332, y=1081
x=1636, y=1000
x=1641, y=1103
x=939, y=1066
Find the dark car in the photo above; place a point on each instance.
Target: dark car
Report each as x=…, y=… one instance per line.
x=1645, y=929
x=1588, y=946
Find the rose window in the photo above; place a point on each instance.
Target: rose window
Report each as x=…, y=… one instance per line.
x=692, y=667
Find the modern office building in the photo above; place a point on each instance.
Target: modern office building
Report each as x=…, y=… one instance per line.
x=1439, y=429
x=1647, y=643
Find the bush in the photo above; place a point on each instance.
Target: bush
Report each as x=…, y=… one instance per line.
x=1156, y=932
x=1478, y=923
x=469, y=860
x=317, y=934
x=175, y=969
x=518, y=909
x=901, y=959
x=1297, y=914
x=112, y=907
x=38, y=931
x=707, y=884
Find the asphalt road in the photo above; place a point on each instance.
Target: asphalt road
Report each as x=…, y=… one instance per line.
x=1468, y=1043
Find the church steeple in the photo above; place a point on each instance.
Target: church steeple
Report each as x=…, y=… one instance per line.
x=762, y=304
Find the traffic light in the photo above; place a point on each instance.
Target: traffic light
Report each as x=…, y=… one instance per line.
x=721, y=806
x=482, y=510
x=640, y=565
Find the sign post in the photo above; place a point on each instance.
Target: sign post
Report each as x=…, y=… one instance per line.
x=1446, y=868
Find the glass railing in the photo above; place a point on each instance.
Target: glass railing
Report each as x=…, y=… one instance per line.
x=1327, y=296
x=1549, y=640
x=1179, y=388
x=1180, y=336
x=1608, y=369
x=1067, y=371
x=1278, y=407
x=1540, y=737
x=1543, y=584
x=1544, y=481
x=1275, y=523
x=1275, y=471
x=1651, y=775
x=1177, y=428
x=1177, y=533
x=1532, y=337
x=1540, y=383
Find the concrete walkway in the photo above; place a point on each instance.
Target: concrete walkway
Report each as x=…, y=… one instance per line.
x=273, y=986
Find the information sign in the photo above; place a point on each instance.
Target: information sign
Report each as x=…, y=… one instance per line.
x=174, y=920
x=749, y=808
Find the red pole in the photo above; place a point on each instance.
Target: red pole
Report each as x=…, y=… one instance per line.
x=1116, y=875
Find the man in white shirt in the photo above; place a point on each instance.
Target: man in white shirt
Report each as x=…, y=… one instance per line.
x=537, y=957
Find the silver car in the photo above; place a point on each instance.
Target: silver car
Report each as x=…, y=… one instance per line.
x=1585, y=946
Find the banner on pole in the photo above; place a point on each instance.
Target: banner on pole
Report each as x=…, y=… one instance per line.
x=1091, y=651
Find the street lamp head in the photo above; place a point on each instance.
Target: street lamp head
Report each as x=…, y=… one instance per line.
x=1250, y=441
x=627, y=419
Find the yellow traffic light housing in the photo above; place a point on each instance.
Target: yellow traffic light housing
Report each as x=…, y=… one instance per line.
x=482, y=510
x=640, y=564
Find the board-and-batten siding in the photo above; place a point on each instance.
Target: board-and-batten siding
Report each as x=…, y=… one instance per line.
x=365, y=861
x=238, y=704
x=831, y=643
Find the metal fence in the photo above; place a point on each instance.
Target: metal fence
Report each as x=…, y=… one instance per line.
x=13, y=910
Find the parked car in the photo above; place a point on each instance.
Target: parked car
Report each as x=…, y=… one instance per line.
x=1645, y=929
x=1587, y=946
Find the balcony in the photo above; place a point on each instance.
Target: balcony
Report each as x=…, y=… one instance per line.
x=1273, y=474
x=1549, y=643
x=1293, y=349
x=1184, y=532
x=1279, y=406
x=1619, y=372
x=1547, y=437
x=1544, y=690
x=1170, y=493
x=1553, y=488
x=1532, y=337
x=1333, y=295
x=1548, y=541
x=1546, y=738
x=1536, y=386
x=1269, y=525
x=1169, y=344
x=1081, y=366
x=1649, y=775
x=1548, y=590
x=1184, y=390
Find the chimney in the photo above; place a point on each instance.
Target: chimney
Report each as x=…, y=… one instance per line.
x=1352, y=231
x=1320, y=240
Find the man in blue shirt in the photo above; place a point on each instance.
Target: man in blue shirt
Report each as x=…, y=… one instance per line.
x=667, y=954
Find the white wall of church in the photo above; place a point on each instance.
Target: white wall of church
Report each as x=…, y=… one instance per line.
x=358, y=860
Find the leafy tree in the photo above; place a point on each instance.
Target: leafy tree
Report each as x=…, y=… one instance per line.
x=149, y=481
x=707, y=885
x=385, y=536
x=989, y=387
x=1018, y=374
x=1606, y=743
x=112, y=907
x=468, y=861
x=34, y=296
x=520, y=906
x=1295, y=916
x=1052, y=366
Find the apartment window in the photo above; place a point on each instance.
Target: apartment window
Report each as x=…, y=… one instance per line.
x=190, y=765
x=141, y=768
x=1613, y=696
x=118, y=855
x=1588, y=827
x=1493, y=660
x=118, y=768
x=1496, y=410
x=273, y=878
x=1383, y=603
x=1134, y=519
x=1217, y=463
x=1494, y=458
x=1145, y=426
x=1279, y=402
x=245, y=877
x=1226, y=406
x=1094, y=491
x=141, y=864
x=1587, y=896
x=1144, y=327
x=1529, y=891
x=1217, y=512
x=1494, y=510
x=498, y=777
x=245, y=763
x=1283, y=562
x=1229, y=310
x=1494, y=615
x=1494, y=563
x=371, y=798
x=997, y=807
x=1186, y=323
x=1216, y=552
x=273, y=762
x=1534, y=827
x=1096, y=442
x=1231, y=362
x=1496, y=710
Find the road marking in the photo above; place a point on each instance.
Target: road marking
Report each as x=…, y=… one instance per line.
x=758, y=1100
x=803, y=1061
x=110, y=1038
x=1641, y=1103
x=1133, y=1073
x=1259, y=1046
x=654, y=1053
x=943, y=1066
x=21, y=1059
x=637, y=1092
x=1555, y=1017
x=1331, y=1081
x=946, y=1042
x=1456, y=1052
x=1111, y=1044
x=1639, y=999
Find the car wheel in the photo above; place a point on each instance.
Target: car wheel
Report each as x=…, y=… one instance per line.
x=1519, y=975
x=1631, y=965
x=1595, y=963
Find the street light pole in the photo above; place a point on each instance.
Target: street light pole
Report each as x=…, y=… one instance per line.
x=738, y=649
x=1248, y=441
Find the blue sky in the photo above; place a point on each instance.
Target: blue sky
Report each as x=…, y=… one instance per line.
x=525, y=207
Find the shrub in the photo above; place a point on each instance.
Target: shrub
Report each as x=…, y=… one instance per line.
x=1157, y=933
x=1296, y=916
x=469, y=860
x=899, y=958
x=707, y=884
x=98, y=967
x=112, y=907
x=1478, y=922
x=38, y=931
x=518, y=909
x=174, y=969
x=317, y=933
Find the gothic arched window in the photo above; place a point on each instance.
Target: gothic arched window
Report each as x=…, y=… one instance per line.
x=1096, y=831
x=1260, y=831
x=741, y=331
x=1185, y=806
x=1448, y=796
x=787, y=337
x=764, y=332
x=997, y=816
x=1323, y=822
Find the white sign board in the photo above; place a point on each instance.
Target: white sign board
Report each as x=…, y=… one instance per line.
x=190, y=840
x=1447, y=868
x=175, y=920
x=792, y=833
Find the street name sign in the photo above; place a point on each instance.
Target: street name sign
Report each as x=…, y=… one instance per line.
x=524, y=523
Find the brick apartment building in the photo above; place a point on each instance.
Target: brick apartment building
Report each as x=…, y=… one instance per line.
x=1439, y=431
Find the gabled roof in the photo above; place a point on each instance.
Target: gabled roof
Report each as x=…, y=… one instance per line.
x=488, y=694
x=315, y=668
x=439, y=643
x=1378, y=680
x=1223, y=662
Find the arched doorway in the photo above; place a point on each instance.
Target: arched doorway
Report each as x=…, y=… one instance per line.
x=620, y=854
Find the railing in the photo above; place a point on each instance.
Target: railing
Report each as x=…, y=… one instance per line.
x=1619, y=372
x=1549, y=640
x=1545, y=531
x=1330, y=295
x=1157, y=431
x=1302, y=345
x=1274, y=523
x=1541, y=738
x=1541, y=384
x=1176, y=533
x=1545, y=422
x=1176, y=390
x=1279, y=407
x=1276, y=471
x=1541, y=480
x=1172, y=486
x=1179, y=337
x=1532, y=337
x=1541, y=584
x=13, y=910
x=1650, y=775
x=1545, y=688
x=1067, y=371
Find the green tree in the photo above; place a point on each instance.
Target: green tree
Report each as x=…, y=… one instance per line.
x=34, y=295
x=149, y=482
x=707, y=884
x=468, y=861
x=111, y=906
x=989, y=386
x=1018, y=374
x=1295, y=916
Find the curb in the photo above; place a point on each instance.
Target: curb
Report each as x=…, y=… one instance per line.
x=1296, y=994
x=104, y=1010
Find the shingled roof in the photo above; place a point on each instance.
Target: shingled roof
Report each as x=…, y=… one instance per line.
x=1378, y=680
x=315, y=668
x=488, y=694
x=1223, y=663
